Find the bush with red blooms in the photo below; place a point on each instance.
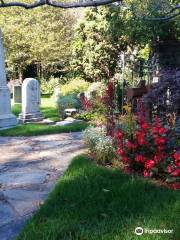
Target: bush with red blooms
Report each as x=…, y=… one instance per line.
x=150, y=150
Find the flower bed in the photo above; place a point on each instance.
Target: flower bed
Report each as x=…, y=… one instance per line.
x=151, y=149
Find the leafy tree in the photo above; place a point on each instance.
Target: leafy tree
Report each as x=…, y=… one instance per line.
x=96, y=45
x=41, y=36
x=107, y=31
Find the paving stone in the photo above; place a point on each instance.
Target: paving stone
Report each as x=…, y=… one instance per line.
x=23, y=194
x=24, y=207
x=6, y=213
x=22, y=178
x=29, y=169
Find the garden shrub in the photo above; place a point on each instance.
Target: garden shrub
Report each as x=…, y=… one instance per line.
x=151, y=150
x=48, y=86
x=75, y=87
x=99, y=143
x=95, y=89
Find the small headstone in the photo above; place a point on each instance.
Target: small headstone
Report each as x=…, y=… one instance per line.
x=17, y=94
x=30, y=101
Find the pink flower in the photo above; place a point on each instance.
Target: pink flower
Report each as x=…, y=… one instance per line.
x=120, y=152
x=149, y=164
x=146, y=173
x=169, y=169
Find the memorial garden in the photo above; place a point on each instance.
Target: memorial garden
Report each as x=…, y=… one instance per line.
x=89, y=120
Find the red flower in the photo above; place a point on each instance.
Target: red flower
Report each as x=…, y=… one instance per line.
x=169, y=169
x=160, y=141
x=119, y=134
x=140, y=136
x=173, y=172
x=176, y=156
x=157, y=158
x=146, y=173
x=144, y=126
x=161, y=148
x=176, y=173
x=155, y=130
x=131, y=145
x=125, y=160
x=162, y=130
x=149, y=164
x=140, y=158
x=176, y=186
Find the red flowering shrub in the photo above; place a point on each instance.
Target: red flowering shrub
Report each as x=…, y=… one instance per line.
x=150, y=150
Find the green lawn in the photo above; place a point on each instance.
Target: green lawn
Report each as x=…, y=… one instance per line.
x=96, y=203
x=34, y=129
x=50, y=111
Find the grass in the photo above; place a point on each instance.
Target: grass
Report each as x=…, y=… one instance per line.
x=49, y=111
x=97, y=203
x=41, y=129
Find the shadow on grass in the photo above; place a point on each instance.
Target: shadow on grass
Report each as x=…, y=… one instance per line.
x=96, y=203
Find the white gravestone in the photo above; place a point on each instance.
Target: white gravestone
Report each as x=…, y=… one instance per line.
x=30, y=101
x=7, y=119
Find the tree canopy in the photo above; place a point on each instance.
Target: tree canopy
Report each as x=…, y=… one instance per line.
x=41, y=36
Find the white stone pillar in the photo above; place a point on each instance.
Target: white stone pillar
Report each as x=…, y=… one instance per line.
x=6, y=117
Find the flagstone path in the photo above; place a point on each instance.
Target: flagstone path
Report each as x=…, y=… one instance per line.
x=29, y=168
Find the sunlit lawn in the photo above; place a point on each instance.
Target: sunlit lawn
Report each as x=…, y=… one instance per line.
x=96, y=203
x=49, y=111
x=48, y=108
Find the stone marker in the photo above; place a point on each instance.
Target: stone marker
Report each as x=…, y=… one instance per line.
x=17, y=94
x=7, y=119
x=30, y=101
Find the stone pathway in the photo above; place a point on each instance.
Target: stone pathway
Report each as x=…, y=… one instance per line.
x=29, y=168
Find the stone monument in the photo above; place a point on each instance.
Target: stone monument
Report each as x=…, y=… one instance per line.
x=17, y=95
x=30, y=101
x=7, y=119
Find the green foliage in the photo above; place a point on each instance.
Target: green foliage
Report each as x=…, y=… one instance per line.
x=75, y=86
x=48, y=86
x=68, y=101
x=40, y=36
x=87, y=116
x=95, y=89
x=96, y=45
